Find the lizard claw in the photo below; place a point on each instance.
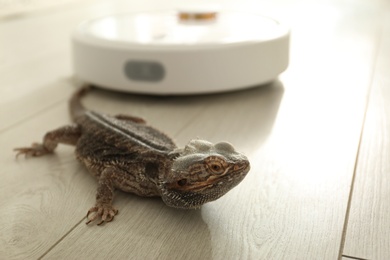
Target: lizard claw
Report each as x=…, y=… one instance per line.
x=106, y=213
x=34, y=151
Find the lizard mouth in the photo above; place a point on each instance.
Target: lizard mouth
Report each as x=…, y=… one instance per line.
x=202, y=186
x=194, y=195
x=192, y=192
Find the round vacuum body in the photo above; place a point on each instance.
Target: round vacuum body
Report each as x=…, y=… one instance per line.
x=180, y=53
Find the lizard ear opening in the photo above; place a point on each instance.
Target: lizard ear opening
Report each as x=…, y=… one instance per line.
x=182, y=182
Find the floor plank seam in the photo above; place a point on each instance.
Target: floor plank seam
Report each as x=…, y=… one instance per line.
x=354, y=257
x=31, y=116
x=189, y=122
x=61, y=239
x=347, y=213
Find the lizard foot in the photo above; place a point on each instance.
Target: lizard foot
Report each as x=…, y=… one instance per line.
x=105, y=212
x=34, y=151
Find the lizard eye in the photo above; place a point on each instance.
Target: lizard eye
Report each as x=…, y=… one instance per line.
x=216, y=165
x=217, y=168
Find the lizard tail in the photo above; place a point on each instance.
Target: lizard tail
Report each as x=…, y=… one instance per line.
x=76, y=109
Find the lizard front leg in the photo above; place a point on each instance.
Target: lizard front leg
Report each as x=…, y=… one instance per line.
x=66, y=135
x=103, y=208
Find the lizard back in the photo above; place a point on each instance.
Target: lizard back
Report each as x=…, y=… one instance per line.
x=106, y=137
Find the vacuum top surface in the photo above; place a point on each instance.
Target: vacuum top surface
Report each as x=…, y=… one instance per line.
x=166, y=29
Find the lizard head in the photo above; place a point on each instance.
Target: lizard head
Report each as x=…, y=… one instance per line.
x=202, y=172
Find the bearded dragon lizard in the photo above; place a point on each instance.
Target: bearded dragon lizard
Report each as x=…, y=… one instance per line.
x=124, y=153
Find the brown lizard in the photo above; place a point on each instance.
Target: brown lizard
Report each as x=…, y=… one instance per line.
x=126, y=154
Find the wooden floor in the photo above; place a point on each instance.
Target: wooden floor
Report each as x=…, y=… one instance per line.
x=318, y=140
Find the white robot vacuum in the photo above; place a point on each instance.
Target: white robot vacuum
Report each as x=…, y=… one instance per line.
x=180, y=52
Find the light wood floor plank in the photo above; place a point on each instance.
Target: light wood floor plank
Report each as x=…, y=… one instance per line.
x=301, y=134
x=44, y=98
x=34, y=194
x=368, y=233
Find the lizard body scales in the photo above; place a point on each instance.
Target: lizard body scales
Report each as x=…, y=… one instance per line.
x=124, y=153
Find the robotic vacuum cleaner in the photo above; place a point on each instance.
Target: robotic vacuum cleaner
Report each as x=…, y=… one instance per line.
x=180, y=52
